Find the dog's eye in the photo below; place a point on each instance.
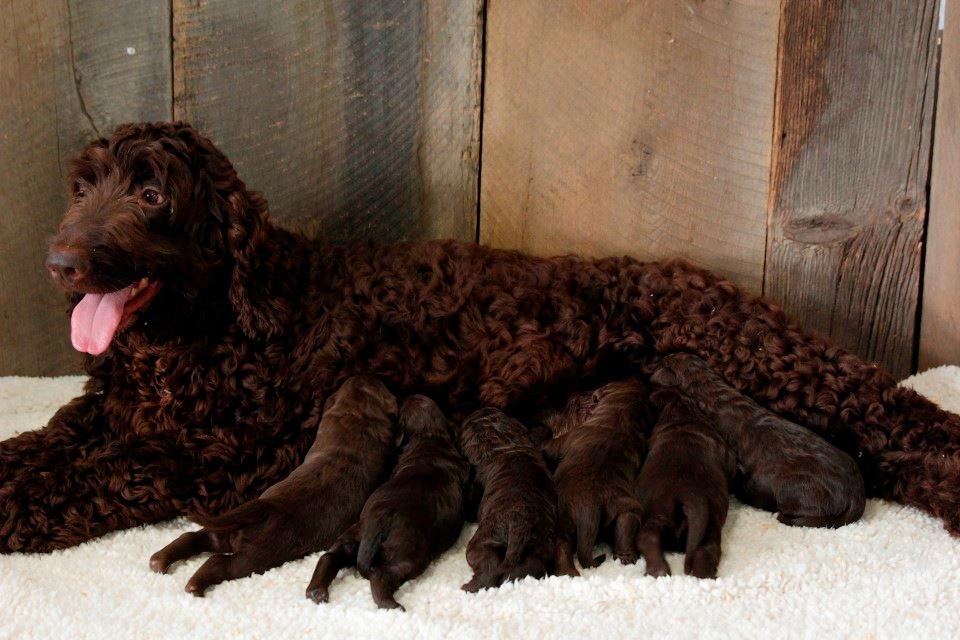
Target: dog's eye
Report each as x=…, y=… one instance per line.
x=79, y=189
x=151, y=197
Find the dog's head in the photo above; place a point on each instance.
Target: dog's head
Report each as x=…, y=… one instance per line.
x=421, y=416
x=159, y=227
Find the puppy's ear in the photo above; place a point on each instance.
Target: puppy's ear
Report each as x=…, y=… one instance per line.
x=665, y=377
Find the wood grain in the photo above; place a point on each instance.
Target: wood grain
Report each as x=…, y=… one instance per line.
x=630, y=127
x=852, y=140
x=357, y=120
x=940, y=319
x=66, y=76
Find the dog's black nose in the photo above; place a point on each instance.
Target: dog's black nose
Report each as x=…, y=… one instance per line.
x=67, y=265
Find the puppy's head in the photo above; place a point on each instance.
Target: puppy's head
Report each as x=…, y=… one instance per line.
x=420, y=416
x=677, y=370
x=362, y=396
x=486, y=430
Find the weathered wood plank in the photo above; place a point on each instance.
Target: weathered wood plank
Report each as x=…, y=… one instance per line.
x=68, y=72
x=940, y=317
x=641, y=128
x=850, y=168
x=355, y=119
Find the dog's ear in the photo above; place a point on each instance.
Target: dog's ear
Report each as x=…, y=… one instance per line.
x=260, y=290
x=664, y=376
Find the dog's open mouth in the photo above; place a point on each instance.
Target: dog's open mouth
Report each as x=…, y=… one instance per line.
x=98, y=316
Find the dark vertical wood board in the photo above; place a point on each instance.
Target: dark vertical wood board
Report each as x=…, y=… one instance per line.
x=630, y=127
x=940, y=318
x=69, y=71
x=850, y=168
x=356, y=119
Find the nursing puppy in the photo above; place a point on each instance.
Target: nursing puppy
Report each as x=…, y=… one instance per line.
x=312, y=506
x=517, y=516
x=412, y=518
x=783, y=466
x=596, y=474
x=684, y=489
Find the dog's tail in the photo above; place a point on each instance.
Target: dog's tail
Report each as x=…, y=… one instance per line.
x=372, y=535
x=698, y=515
x=247, y=513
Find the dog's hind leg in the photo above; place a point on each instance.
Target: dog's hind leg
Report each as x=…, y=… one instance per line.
x=530, y=567
x=220, y=568
x=563, y=560
x=342, y=554
x=626, y=527
x=651, y=548
x=186, y=546
x=385, y=580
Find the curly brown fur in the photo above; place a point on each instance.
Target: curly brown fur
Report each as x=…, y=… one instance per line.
x=684, y=490
x=307, y=510
x=517, y=519
x=783, y=467
x=412, y=518
x=210, y=393
x=596, y=474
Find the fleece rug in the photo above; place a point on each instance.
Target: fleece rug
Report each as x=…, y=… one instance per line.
x=894, y=574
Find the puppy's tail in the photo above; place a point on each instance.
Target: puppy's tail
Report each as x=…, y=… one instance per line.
x=697, y=514
x=372, y=535
x=588, y=527
x=247, y=513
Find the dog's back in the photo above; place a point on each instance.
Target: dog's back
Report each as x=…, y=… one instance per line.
x=684, y=489
x=517, y=517
x=785, y=467
x=418, y=512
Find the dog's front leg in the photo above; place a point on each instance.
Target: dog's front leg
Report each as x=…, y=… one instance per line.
x=77, y=479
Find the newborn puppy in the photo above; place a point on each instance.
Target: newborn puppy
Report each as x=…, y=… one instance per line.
x=684, y=490
x=596, y=475
x=312, y=506
x=517, y=517
x=783, y=466
x=409, y=520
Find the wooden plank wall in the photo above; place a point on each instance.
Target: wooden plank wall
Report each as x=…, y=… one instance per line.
x=637, y=128
x=357, y=120
x=940, y=331
x=69, y=71
x=783, y=144
x=850, y=170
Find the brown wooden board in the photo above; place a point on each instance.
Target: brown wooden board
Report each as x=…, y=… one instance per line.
x=850, y=168
x=940, y=325
x=69, y=71
x=638, y=128
x=357, y=120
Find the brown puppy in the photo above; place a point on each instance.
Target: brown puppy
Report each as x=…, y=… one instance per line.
x=783, y=466
x=412, y=518
x=312, y=506
x=517, y=516
x=684, y=489
x=596, y=474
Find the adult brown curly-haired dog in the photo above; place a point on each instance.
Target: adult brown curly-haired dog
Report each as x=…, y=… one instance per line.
x=517, y=519
x=596, y=475
x=684, y=488
x=783, y=467
x=222, y=335
x=307, y=510
x=410, y=519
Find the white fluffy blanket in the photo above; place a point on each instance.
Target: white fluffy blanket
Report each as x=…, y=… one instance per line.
x=895, y=574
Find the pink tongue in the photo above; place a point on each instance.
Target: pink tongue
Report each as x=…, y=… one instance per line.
x=95, y=320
